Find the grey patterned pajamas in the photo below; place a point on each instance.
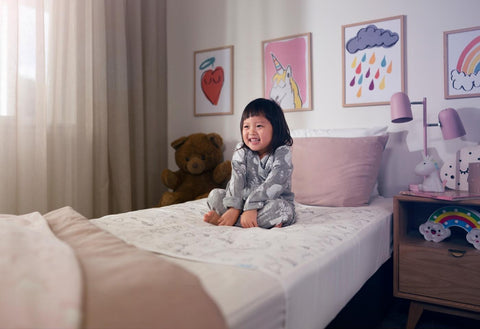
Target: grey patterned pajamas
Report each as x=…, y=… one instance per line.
x=262, y=184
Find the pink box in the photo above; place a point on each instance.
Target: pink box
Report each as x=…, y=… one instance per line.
x=474, y=177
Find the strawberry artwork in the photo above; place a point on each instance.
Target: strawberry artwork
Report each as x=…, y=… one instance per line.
x=212, y=80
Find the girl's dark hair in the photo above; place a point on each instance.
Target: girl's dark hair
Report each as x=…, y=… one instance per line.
x=274, y=113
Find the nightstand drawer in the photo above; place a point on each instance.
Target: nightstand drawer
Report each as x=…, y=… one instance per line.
x=432, y=271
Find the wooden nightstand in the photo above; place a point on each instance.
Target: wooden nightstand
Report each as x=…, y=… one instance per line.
x=438, y=276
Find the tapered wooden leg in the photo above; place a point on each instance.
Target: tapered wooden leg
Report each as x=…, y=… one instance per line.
x=414, y=313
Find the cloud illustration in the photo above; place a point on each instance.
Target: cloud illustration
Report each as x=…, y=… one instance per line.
x=474, y=237
x=462, y=81
x=371, y=36
x=434, y=231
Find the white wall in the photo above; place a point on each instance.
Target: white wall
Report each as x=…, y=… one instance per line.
x=202, y=24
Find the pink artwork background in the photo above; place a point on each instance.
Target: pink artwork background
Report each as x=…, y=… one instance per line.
x=293, y=52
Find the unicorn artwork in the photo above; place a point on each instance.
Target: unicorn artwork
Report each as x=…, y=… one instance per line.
x=430, y=171
x=284, y=90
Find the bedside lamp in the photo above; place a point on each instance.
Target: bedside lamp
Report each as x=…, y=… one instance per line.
x=449, y=123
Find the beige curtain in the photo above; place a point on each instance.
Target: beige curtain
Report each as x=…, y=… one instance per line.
x=82, y=105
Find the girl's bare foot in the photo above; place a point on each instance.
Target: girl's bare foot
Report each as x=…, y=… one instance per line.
x=212, y=217
x=229, y=218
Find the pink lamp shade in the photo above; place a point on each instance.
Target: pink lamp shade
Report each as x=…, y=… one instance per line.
x=451, y=124
x=400, y=108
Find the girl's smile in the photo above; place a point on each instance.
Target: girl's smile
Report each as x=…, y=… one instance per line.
x=257, y=134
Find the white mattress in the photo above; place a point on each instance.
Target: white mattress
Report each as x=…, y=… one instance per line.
x=299, y=276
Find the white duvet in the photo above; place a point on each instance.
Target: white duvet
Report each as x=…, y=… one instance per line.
x=40, y=278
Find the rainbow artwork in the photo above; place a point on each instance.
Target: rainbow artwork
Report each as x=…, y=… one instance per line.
x=437, y=227
x=469, y=60
x=465, y=76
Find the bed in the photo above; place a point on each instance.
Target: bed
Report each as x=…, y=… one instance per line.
x=166, y=268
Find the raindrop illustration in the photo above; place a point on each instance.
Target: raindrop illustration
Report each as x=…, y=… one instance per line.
x=389, y=68
x=372, y=86
x=382, y=84
x=364, y=57
x=359, y=92
x=354, y=63
x=377, y=74
x=352, y=82
x=372, y=59
x=384, y=62
x=359, y=68
x=368, y=73
x=360, y=80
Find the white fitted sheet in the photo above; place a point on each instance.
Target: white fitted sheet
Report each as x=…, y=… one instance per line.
x=299, y=276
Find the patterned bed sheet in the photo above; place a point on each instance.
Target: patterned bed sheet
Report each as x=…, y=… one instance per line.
x=295, y=255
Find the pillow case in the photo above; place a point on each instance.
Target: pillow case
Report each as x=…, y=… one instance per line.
x=342, y=132
x=336, y=171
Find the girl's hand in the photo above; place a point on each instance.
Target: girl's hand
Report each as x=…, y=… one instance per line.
x=249, y=218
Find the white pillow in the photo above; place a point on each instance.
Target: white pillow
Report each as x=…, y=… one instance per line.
x=342, y=132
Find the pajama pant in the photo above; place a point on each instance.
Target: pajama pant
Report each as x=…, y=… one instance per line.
x=273, y=212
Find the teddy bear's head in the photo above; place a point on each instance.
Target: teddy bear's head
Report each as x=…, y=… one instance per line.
x=198, y=153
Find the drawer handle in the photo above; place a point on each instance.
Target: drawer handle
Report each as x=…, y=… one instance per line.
x=457, y=253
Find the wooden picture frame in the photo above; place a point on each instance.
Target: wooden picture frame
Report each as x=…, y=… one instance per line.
x=287, y=72
x=213, y=81
x=373, y=61
x=461, y=53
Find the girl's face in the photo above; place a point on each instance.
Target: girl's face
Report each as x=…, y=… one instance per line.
x=257, y=134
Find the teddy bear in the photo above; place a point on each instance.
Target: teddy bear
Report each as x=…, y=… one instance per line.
x=199, y=158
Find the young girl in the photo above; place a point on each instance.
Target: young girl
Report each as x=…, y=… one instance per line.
x=259, y=191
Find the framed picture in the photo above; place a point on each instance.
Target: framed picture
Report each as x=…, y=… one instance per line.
x=287, y=75
x=373, y=61
x=461, y=52
x=213, y=78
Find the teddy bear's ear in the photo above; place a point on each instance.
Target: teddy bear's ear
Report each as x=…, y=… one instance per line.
x=179, y=142
x=215, y=139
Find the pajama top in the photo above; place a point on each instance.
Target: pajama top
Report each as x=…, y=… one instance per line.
x=255, y=181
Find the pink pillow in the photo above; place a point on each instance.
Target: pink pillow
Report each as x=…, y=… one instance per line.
x=336, y=171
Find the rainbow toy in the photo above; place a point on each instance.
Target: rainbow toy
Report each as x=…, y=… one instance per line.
x=437, y=227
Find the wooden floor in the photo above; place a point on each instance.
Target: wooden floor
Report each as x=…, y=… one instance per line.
x=397, y=314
